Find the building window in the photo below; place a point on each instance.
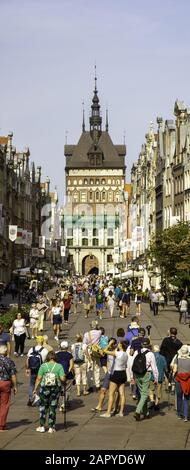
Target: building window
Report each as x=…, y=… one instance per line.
x=117, y=197
x=110, y=241
x=70, y=242
x=83, y=197
x=110, y=196
x=95, y=242
x=97, y=181
x=95, y=232
x=113, y=181
x=110, y=232
x=109, y=259
x=69, y=182
x=92, y=161
x=103, y=196
x=109, y=181
x=75, y=197
x=118, y=182
x=91, y=181
x=75, y=182
x=97, y=161
x=80, y=182
x=69, y=232
x=85, y=181
x=103, y=181
x=97, y=196
x=91, y=196
x=84, y=232
x=85, y=242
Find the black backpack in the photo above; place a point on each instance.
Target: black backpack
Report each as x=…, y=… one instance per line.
x=35, y=359
x=139, y=364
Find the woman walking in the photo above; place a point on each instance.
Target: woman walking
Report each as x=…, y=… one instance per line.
x=80, y=364
x=56, y=318
x=34, y=315
x=19, y=331
x=50, y=377
x=7, y=380
x=118, y=377
x=67, y=305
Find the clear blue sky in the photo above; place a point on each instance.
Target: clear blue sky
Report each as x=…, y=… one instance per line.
x=48, y=49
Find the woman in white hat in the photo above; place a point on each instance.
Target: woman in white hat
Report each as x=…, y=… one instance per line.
x=181, y=369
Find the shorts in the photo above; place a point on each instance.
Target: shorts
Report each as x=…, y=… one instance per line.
x=106, y=381
x=103, y=361
x=57, y=320
x=87, y=307
x=99, y=306
x=119, y=377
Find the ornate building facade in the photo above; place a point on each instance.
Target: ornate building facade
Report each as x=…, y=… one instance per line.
x=95, y=178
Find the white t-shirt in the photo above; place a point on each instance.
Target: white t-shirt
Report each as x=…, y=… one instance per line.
x=56, y=311
x=120, y=360
x=19, y=327
x=43, y=353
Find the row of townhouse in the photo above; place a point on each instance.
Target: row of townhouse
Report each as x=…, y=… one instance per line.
x=22, y=197
x=161, y=179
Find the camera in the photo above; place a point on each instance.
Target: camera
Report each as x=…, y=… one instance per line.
x=148, y=328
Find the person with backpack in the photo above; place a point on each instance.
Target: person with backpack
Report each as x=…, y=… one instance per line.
x=143, y=365
x=99, y=303
x=50, y=377
x=133, y=330
x=80, y=365
x=35, y=358
x=169, y=348
x=65, y=358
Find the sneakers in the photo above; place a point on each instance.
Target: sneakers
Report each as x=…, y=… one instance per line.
x=29, y=403
x=56, y=338
x=40, y=429
x=119, y=415
x=16, y=354
x=137, y=416
x=51, y=430
x=105, y=415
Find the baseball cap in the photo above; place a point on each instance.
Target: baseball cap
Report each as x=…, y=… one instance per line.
x=39, y=338
x=94, y=324
x=64, y=344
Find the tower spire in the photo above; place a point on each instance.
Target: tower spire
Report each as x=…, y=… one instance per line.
x=95, y=118
x=83, y=118
x=107, y=125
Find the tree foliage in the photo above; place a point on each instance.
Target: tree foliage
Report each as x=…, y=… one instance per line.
x=170, y=249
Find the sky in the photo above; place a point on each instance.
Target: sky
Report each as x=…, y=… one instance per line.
x=48, y=49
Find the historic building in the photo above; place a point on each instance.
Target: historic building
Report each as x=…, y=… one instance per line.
x=95, y=178
x=161, y=178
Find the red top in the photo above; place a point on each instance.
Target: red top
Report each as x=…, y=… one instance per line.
x=184, y=379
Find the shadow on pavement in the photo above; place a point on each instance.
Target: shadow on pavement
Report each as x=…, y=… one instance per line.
x=16, y=424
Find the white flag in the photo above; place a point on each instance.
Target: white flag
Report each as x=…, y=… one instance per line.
x=63, y=250
x=12, y=232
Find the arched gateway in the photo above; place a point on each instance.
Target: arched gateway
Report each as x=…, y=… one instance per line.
x=90, y=265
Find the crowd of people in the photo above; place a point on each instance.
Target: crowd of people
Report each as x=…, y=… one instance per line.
x=92, y=361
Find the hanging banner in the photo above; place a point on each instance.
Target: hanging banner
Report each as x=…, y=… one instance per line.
x=12, y=232
x=63, y=250
x=42, y=242
x=24, y=237
x=35, y=252
x=19, y=240
x=29, y=239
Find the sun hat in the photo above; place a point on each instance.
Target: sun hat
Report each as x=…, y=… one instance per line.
x=64, y=344
x=184, y=351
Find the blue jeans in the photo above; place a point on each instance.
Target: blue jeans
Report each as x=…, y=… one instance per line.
x=182, y=401
x=31, y=385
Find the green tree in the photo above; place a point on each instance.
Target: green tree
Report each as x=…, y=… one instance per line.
x=170, y=249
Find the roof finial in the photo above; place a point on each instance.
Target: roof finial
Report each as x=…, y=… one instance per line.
x=95, y=77
x=107, y=120
x=124, y=136
x=66, y=135
x=83, y=118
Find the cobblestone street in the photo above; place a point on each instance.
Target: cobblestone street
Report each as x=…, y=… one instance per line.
x=85, y=429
